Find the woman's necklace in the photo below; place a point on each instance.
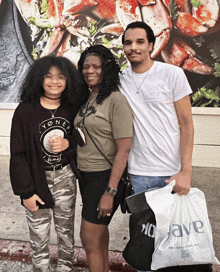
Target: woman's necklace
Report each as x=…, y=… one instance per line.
x=138, y=88
x=91, y=101
x=53, y=112
x=52, y=98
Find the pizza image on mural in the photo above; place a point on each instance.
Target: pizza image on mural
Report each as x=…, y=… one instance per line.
x=187, y=33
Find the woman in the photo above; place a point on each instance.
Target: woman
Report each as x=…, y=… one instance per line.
x=42, y=149
x=106, y=120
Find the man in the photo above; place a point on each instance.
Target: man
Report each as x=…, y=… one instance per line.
x=163, y=128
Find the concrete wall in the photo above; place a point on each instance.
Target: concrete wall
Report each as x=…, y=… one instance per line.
x=5, y=126
x=207, y=137
x=206, y=145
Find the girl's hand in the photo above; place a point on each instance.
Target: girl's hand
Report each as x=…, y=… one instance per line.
x=58, y=144
x=31, y=203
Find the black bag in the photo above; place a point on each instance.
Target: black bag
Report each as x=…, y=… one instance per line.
x=127, y=190
x=188, y=268
x=139, y=249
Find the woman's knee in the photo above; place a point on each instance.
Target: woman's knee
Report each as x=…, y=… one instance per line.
x=93, y=235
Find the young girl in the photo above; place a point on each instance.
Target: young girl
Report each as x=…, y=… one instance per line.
x=42, y=149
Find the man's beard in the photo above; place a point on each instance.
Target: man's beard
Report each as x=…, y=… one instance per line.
x=135, y=63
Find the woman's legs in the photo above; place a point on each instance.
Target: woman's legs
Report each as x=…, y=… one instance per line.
x=95, y=240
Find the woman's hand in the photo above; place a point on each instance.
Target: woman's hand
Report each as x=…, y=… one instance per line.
x=105, y=205
x=31, y=203
x=123, y=146
x=58, y=143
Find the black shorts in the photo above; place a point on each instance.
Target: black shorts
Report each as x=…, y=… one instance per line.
x=92, y=186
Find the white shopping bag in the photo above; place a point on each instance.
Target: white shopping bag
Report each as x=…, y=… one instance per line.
x=183, y=233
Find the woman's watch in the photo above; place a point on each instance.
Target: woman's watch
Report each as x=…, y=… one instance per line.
x=111, y=191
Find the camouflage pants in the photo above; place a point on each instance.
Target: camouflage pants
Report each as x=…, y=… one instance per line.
x=62, y=184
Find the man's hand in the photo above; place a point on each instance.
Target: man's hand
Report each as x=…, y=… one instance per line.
x=58, y=143
x=105, y=205
x=31, y=203
x=183, y=181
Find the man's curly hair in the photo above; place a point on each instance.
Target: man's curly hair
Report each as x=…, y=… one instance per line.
x=110, y=70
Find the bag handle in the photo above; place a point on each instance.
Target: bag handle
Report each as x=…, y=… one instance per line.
x=124, y=175
x=95, y=143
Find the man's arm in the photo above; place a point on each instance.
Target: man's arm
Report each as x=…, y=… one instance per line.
x=184, y=114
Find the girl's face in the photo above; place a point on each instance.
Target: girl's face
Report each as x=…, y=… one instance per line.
x=92, y=72
x=54, y=83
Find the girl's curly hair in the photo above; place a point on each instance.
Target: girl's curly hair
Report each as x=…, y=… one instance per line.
x=32, y=88
x=110, y=70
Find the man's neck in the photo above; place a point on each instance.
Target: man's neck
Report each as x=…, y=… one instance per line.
x=142, y=67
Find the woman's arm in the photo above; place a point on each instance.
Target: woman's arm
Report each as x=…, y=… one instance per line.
x=123, y=146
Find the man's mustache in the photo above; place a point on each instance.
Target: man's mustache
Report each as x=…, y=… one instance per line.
x=133, y=52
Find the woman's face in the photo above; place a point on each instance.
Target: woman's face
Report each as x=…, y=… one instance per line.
x=54, y=83
x=92, y=72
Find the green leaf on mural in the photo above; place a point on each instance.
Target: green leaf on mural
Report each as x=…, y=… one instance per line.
x=217, y=70
x=210, y=94
x=215, y=50
x=106, y=42
x=209, y=97
x=195, y=3
x=41, y=23
x=43, y=6
x=124, y=66
x=43, y=37
x=34, y=54
x=173, y=9
x=197, y=96
x=92, y=30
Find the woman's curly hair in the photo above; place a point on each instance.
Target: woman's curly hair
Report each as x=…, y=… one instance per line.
x=32, y=88
x=110, y=70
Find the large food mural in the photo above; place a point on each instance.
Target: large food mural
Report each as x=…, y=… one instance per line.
x=187, y=34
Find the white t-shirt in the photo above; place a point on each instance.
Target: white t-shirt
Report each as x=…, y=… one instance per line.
x=156, y=142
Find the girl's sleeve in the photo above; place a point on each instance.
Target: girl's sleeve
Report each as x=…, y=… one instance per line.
x=20, y=174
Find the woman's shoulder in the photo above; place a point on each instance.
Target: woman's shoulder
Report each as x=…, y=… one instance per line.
x=118, y=97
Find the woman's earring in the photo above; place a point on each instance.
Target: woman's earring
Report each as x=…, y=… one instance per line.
x=90, y=89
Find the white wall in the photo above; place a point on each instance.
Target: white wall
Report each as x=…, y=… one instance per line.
x=207, y=137
x=206, y=144
x=5, y=126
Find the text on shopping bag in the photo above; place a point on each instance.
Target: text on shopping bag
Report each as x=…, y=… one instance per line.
x=148, y=229
x=178, y=230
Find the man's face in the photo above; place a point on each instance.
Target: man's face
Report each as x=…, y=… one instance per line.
x=136, y=46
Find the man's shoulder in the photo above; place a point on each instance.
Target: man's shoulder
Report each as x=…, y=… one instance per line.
x=168, y=67
x=125, y=72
